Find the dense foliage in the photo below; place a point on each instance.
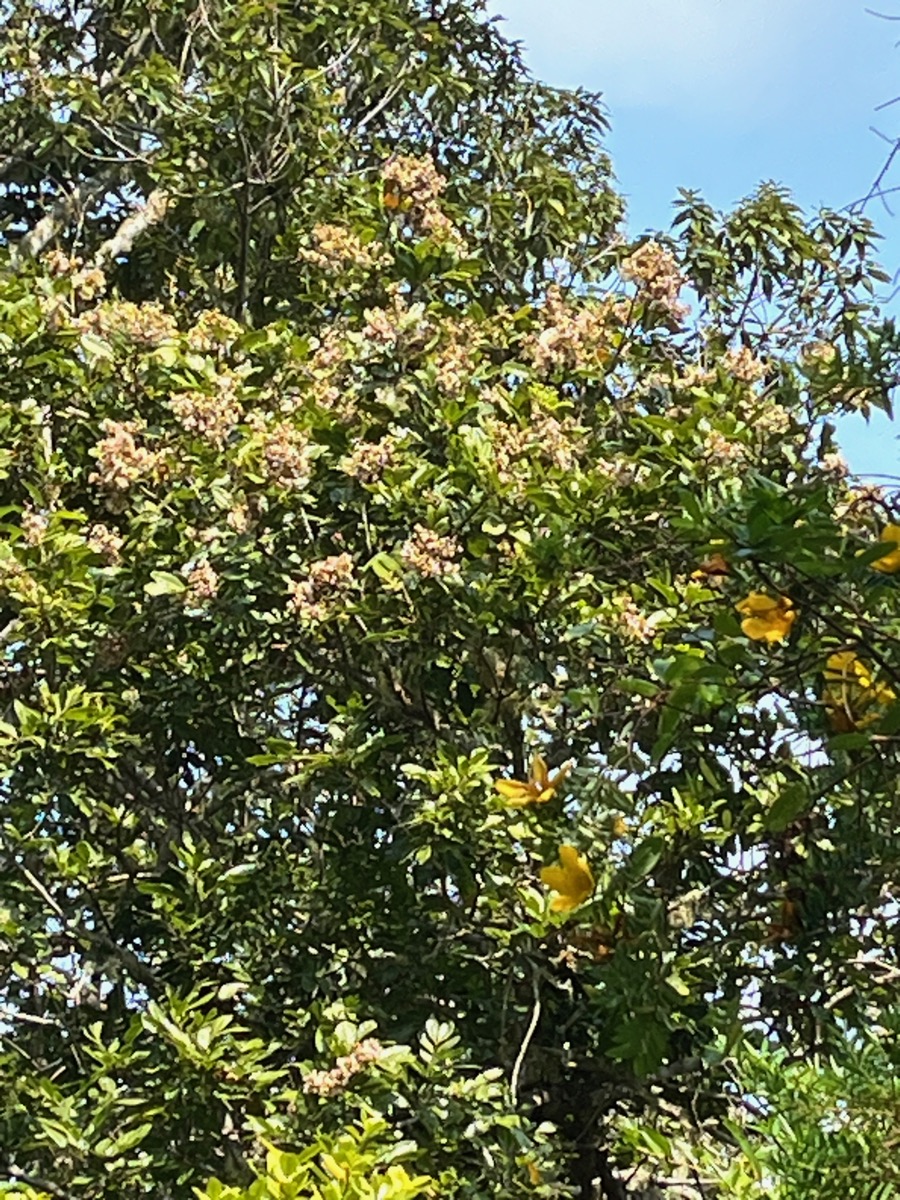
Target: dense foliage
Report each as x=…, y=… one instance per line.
x=448, y=699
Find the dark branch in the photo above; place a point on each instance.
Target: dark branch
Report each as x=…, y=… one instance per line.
x=42, y=1185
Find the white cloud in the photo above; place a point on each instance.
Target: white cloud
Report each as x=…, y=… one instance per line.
x=724, y=56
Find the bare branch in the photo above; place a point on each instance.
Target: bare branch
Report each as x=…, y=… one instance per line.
x=132, y=227
x=526, y=1040
x=8, y=1013
x=37, y=239
x=41, y=1185
x=876, y=186
x=383, y=102
x=129, y=960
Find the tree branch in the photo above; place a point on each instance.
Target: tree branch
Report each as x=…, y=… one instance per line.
x=132, y=227
x=42, y=1185
x=37, y=239
x=526, y=1040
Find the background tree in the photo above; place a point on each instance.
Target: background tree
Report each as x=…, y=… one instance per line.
x=241, y=126
x=354, y=465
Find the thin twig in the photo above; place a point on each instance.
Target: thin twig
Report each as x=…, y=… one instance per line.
x=526, y=1040
x=876, y=186
x=138, y=969
x=12, y=1014
x=42, y=891
x=383, y=102
x=838, y=997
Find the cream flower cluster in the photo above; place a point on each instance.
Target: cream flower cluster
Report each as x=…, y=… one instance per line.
x=431, y=554
x=211, y=415
x=316, y=597
x=574, y=335
x=336, y=248
x=413, y=186
x=655, y=272
x=121, y=461
x=145, y=325
x=330, y=1083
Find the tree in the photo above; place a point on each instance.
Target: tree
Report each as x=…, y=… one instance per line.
x=449, y=717
x=241, y=126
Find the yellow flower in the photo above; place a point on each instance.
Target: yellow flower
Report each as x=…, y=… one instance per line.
x=766, y=618
x=572, y=880
x=853, y=698
x=540, y=788
x=845, y=667
x=882, y=694
x=889, y=562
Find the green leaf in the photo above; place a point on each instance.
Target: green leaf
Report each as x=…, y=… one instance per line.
x=116, y=1146
x=384, y=566
x=493, y=527
x=645, y=856
x=790, y=802
x=162, y=583
x=637, y=687
x=849, y=741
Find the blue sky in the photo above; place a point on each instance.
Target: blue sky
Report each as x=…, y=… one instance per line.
x=719, y=95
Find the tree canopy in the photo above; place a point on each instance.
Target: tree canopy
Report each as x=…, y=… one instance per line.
x=449, y=689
